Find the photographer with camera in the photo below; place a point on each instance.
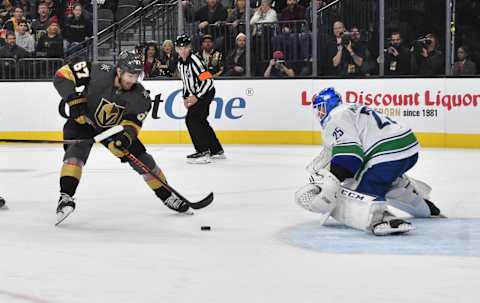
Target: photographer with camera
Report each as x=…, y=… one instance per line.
x=427, y=59
x=278, y=68
x=347, y=57
x=397, y=57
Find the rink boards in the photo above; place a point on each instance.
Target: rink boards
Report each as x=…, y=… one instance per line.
x=442, y=112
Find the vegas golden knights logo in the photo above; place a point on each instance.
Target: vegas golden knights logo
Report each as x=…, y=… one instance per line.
x=108, y=114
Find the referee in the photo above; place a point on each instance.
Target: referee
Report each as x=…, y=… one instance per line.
x=198, y=93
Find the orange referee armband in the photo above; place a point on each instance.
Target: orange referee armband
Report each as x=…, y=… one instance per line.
x=205, y=75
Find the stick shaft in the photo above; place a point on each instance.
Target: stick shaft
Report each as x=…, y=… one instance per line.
x=47, y=141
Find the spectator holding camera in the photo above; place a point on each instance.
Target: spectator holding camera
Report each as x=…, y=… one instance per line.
x=463, y=65
x=278, y=68
x=427, y=59
x=397, y=57
x=346, y=58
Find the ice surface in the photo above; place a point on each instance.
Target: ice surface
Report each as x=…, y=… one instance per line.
x=122, y=245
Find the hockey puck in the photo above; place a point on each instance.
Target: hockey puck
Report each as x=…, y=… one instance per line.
x=205, y=227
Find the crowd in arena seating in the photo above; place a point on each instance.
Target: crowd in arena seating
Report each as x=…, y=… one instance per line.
x=282, y=42
x=43, y=28
x=281, y=38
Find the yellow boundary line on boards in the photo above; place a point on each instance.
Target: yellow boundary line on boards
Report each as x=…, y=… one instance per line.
x=263, y=137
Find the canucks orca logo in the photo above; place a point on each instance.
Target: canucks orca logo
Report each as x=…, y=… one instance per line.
x=108, y=114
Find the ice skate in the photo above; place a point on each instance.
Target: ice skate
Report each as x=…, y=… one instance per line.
x=175, y=203
x=199, y=158
x=220, y=155
x=391, y=225
x=66, y=205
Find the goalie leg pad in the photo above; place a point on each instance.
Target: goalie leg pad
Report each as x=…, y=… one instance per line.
x=409, y=196
x=357, y=210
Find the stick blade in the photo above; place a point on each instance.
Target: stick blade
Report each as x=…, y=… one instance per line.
x=203, y=203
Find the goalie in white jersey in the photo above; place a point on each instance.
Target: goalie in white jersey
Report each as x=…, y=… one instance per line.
x=361, y=169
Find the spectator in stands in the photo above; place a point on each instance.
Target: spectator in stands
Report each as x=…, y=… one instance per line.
x=65, y=10
x=51, y=44
x=292, y=12
x=237, y=15
x=397, y=57
x=288, y=39
x=278, y=67
x=168, y=59
x=427, y=59
x=345, y=58
x=8, y=70
x=212, y=58
x=24, y=38
x=52, y=8
x=40, y=25
x=212, y=13
x=263, y=14
x=6, y=11
x=369, y=64
x=77, y=28
x=151, y=65
x=27, y=8
x=11, y=49
x=235, y=64
x=12, y=23
x=464, y=66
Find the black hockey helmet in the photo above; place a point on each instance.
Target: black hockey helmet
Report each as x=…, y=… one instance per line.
x=130, y=62
x=182, y=40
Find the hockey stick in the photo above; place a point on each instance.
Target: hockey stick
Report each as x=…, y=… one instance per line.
x=47, y=141
x=195, y=205
x=98, y=138
x=135, y=161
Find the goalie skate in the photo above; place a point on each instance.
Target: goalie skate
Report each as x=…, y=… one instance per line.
x=392, y=227
x=66, y=206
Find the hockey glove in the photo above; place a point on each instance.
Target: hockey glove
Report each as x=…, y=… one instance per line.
x=78, y=108
x=120, y=144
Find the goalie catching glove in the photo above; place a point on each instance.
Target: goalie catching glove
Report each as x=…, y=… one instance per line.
x=77, y=104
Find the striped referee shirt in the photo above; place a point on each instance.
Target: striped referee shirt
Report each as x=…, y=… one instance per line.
x=196, y=78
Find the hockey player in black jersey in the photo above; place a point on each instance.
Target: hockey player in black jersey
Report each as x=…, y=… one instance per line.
x=111, y=96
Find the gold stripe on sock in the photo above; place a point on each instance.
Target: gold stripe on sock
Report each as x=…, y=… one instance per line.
x=71, y=170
